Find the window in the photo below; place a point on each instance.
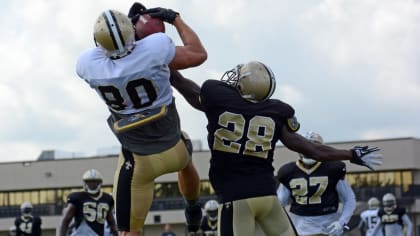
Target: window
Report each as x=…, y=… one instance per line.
x=381, y=179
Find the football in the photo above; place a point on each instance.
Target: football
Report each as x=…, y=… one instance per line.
x=147, y=25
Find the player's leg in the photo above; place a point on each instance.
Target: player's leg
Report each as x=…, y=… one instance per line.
x=189, y=186
x=272, y=217
x=236, y=219
x=134, y=184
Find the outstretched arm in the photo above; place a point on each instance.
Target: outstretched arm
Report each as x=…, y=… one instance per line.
x=364, y=156
x=187, y=88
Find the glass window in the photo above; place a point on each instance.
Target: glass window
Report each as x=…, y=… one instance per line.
x=407, y=180
x=3, y=201
x=386, y=179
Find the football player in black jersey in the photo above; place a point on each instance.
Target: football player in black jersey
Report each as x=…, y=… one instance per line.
x=28, y=224
x=89, y=208
x=393, y=219
x=244, y=125
x=314, y=190
x=209, y=223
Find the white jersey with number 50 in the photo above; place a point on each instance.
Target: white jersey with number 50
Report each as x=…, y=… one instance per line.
x=134, y=83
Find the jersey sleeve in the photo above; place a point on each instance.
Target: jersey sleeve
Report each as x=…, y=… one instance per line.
x=73, y=198
x=340, y=170
x=284, y=172
x=283, y=194
x=289, y=117
x=215, y=92
x=346, y=194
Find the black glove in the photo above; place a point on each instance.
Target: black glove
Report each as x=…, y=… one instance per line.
x=364, y=156
x=164, y=14
x=135, y=11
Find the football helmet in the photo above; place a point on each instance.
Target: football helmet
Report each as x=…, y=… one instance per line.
x=95, y=176
x=114, y=32
x=315, y=138
x=373, y=203
x=254, y=81
x=211, y=208
x=26, y=209
x=389, y=202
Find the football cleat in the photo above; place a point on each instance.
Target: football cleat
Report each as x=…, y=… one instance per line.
x=193, y=216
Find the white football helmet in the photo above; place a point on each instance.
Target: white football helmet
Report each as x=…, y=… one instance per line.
x=315, y=138
x=389, y=202
x=373, y=203
x=92, y=175
x=26, y=209
x=211, y=208
x=114, y=32
x=254, y=81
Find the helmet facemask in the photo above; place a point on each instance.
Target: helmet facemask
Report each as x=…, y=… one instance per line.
x=26, y=209
x=389, y=203
x=93, y=187
x=231, y=77
x=211, y=209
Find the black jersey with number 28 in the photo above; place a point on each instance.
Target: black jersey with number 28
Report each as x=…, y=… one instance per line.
x=242, y=138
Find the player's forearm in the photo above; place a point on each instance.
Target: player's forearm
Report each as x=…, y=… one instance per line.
x=190, y=39
x=63, y=231
x=187, y=88
x=327, y=153
x=64, y=227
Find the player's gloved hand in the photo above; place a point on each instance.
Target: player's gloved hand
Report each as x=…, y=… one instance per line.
x=365, y=156
x=164, y=14
x=335, y=229
x=135, y=11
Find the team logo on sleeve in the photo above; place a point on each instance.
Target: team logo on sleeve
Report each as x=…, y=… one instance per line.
x=293, y=124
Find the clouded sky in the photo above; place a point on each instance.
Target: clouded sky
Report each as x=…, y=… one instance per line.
x=350, y=68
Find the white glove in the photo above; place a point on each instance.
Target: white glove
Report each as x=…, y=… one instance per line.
x=335, y=229
x=366, y=156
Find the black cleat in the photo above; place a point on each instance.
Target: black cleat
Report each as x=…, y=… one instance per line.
x=193, y=215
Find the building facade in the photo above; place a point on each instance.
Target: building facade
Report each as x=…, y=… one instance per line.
x=46, y=184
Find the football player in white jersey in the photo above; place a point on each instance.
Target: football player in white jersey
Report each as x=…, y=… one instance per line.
x=393, y=219
x=132, y=78
x=314, y=190
x=369, y=218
